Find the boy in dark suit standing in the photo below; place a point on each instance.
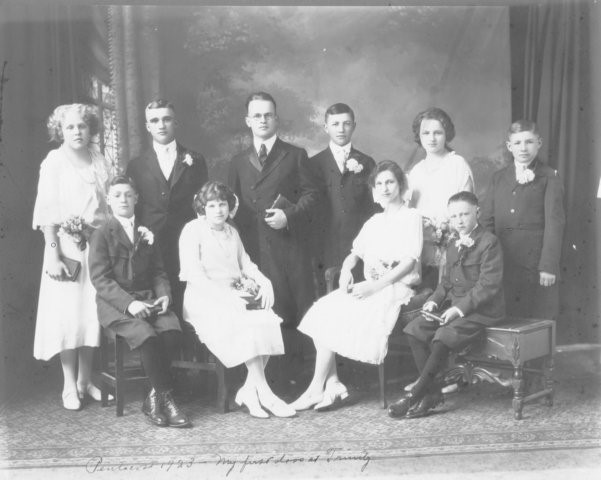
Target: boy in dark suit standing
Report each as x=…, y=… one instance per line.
x=468, y=299
x=345, y=201
x=167, y=176
x=133, y=296
x=276, y=192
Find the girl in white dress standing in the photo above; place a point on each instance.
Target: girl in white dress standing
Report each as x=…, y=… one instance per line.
x=73, y=182
x=215, y=266
x=356, y=319
x=433, y=180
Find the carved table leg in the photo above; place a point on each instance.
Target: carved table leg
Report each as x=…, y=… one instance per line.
x=518, y=391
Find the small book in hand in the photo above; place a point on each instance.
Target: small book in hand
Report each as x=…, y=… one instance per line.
x=281, y=202
x=73, y=266
x=432, y=317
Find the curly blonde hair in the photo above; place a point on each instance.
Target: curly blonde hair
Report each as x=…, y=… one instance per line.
x=88, y=113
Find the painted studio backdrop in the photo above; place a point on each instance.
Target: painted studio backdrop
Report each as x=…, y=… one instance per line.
x=388, y=63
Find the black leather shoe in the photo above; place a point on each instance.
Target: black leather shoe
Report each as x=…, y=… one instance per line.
x=152, y=409
x=426, y=404
x=175, y=417
x=402, y=405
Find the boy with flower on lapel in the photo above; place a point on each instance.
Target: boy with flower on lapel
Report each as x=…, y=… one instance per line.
x=345, y=202
x=468, y=299
x=167, y=176
x=133, y=296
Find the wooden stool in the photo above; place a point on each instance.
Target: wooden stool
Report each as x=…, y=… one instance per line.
x=512, y=348
x=117, y=375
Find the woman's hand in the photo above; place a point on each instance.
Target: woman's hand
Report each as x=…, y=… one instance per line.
x=56, y=269
x=266, y=295
x=546, y=279
x=363, y=290
x=345, y=280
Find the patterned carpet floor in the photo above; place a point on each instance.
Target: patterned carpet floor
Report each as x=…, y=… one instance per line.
x=37, y=432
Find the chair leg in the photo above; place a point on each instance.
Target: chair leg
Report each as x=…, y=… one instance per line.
x=222, y=404
x=119, y=375
x=518, y=391
x=104, y=363
x=382, y=380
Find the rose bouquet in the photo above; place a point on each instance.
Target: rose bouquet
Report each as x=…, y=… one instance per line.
x=77, y=230
x=248, y=290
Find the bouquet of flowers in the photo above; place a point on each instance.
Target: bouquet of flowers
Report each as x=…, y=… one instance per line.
x=248, y=290
x=439, y=233
x=77, y=230
x=379, y=270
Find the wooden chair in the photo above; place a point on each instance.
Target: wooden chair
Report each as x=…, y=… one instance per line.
x=396, y=341
x=513, y=354
x=115, y=375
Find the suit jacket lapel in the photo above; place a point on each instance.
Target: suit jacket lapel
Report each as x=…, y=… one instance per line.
x=179, y=166
x=273, y=160
x=331, y=165
x=153, y=165
x=509, y=177
x=253, y=159
x=119, y=234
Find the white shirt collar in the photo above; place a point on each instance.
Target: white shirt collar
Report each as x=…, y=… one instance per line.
x=336, y=149
x=159, y=148
x=257, y=142
x=128, y=225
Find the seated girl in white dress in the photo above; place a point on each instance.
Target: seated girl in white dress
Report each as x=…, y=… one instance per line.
x=219, y=276
x=356, y=319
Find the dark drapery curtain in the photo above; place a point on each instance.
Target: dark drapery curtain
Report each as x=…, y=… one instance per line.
x=551, y=85
x=45, y=53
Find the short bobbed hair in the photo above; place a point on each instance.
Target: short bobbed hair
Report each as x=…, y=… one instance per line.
x=464, y=196
x=339, y=108
x=523, y=126
x=260, y=96
x=434, y=114
x=213, y=190
x=123, y=180
x=88, y=113
x=390, y=166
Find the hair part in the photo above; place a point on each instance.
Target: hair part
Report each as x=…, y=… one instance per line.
x=160, y=103
x=434, y=113
x=464, y=196
x=523, y=125
x=123, y=180
x=260, y=96
x=88, y=113
x=339, y=108
x=213, y=190
x=389, y=166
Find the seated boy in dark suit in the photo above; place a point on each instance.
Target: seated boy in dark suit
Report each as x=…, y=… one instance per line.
x=468, y=299
x=133, y=295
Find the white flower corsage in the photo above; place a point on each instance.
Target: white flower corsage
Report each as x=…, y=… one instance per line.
x=188, y=160
x=464, y=242
x=145, y=235
x=352, y=165
x=524, y=176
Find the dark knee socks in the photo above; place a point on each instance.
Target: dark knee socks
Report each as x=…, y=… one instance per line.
x=156, y=364
x=420, y=352
x=434, y=365
x=171, y=341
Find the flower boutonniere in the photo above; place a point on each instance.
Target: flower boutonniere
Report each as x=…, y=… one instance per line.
x=146, y=236
x=464, y=244
x=524, y=176
x=353, y=165
x=188, y=160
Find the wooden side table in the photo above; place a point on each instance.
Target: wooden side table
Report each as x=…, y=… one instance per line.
x=509, y=354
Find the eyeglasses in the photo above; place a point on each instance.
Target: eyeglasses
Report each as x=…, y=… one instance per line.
x=267, y=116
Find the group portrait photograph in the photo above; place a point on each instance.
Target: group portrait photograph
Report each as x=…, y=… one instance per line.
x=300, y=240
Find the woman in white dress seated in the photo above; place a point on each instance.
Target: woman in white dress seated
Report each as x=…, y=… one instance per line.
x=222, y=282
x=433, y=180
x=356, y=319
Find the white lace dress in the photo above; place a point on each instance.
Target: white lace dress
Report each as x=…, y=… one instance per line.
x=210, y=261
x=359, y=328
x=67, y=317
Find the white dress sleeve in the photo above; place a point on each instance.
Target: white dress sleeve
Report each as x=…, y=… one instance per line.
x=361, y=240
x=463, y=175
x=47, y=204
x=190, y=245
x=247, y=266
x=411, y=242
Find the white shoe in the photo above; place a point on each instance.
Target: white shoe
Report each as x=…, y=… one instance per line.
x=248, y=398
x=71, y=400
x=276, y=405
x=306, y=401
x=333, y=397
x=93, y=392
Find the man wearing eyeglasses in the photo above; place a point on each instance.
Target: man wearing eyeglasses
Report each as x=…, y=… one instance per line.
x=277, y=194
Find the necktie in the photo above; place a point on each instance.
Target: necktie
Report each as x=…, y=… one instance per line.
x=344, y=156
x=262, y=154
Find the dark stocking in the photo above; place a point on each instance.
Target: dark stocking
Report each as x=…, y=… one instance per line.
x=434, y=365
x=420, y=351
x=153, y=360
